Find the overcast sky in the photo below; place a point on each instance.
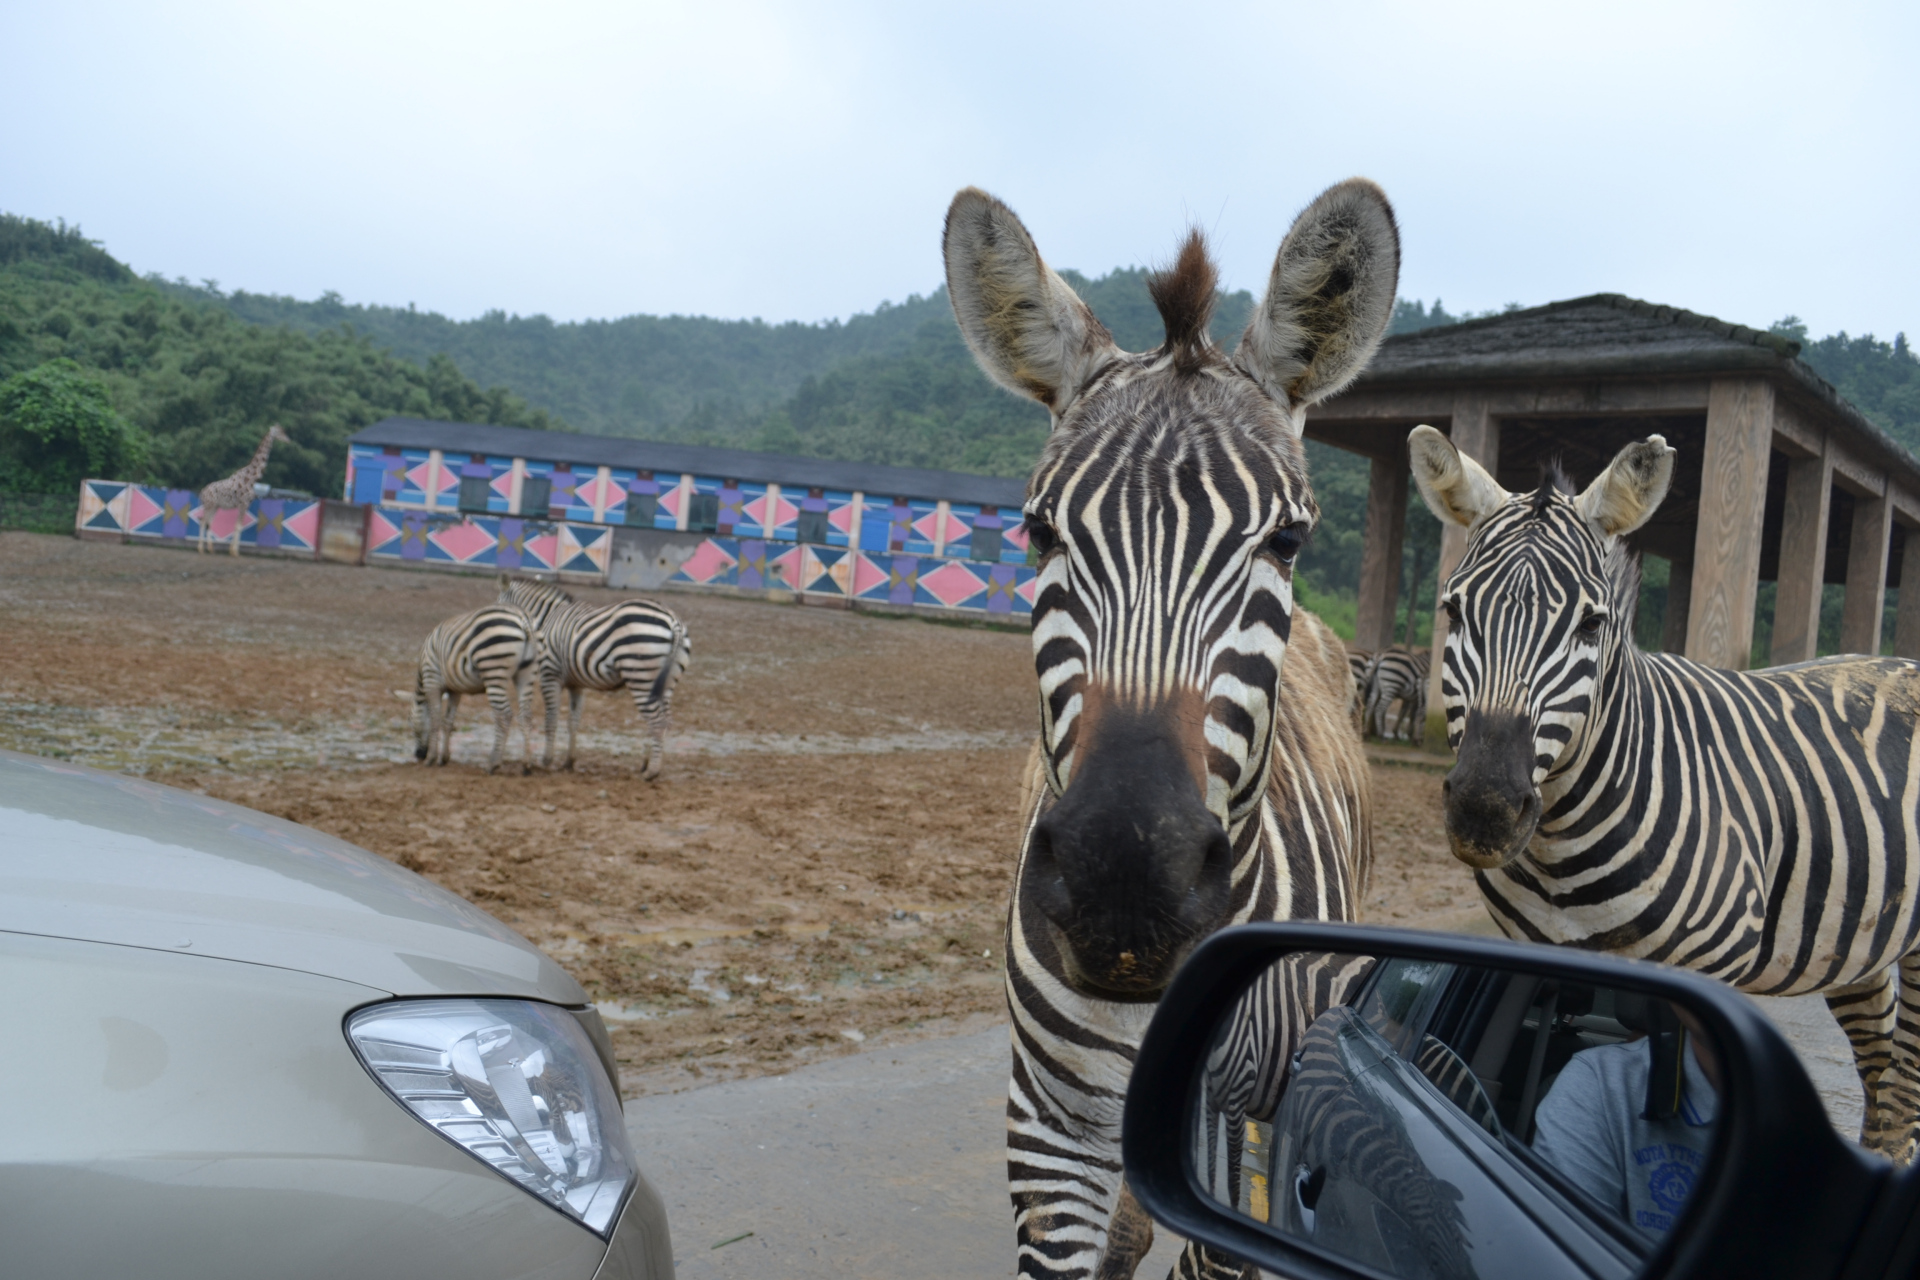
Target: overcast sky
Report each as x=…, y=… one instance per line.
x=793, y=161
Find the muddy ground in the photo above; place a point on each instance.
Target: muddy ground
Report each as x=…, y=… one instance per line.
x=823, y=864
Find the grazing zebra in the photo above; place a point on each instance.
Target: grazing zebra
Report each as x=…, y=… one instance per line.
x=491, y=651
x=1173, y=788
x=1756, y=826
x=1398, y=675
x=632, y=644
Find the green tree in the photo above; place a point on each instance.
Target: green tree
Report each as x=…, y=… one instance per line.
x=58, y=427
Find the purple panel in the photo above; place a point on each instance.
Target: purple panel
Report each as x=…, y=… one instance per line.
x=904, y=578
x=513, y=539
x=899, y=526
x=729, y=507
x=1000, y=589
x=413, y=537
x=753, y=563
x=272, y=515
x=179, y=507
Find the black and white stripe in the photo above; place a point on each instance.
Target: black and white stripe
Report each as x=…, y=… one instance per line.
x=1180, y=783
x=635, y=645
x=1756, y=826
x=491, y=651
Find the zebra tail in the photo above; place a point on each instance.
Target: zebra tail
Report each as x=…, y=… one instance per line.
x=664, y=681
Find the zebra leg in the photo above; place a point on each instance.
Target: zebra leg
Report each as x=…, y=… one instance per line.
x=445, y=753
x=574, y=698
x=1868, y=1012
x=1197, y=1262
x=550, y=697
x=1901, y=1086
x=1129, y=1237
x=501, y=696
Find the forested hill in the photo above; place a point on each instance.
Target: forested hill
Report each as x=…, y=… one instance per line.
x=895, y=379
x=105, y=373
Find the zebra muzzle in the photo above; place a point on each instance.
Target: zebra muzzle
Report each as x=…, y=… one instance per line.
x=1492, y=806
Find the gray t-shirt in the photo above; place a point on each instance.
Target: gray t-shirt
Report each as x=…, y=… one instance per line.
x=1589, y=1128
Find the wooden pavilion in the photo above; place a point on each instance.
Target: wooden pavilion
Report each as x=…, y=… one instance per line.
x=1778, y=477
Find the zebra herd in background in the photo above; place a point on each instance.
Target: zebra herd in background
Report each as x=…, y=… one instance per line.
x=538, y=637
x=1390, y=691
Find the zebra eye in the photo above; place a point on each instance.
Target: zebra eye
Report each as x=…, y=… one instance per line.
x=1040, y=536
x=1286, y=542
x=1453, y=613
x=1590, y=626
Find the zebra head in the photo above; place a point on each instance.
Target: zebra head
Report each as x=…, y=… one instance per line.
x=1539, y=610
x=1167, y=509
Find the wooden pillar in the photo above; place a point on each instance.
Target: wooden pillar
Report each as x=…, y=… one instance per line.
x=1803, y=561
x=1906, y=622
x=1673, y=627
x=1866, y=575
x=1733, y=501
x=1380, y=555
x=1476, y=433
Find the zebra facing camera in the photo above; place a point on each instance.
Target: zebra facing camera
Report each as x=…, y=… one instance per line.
x=1472, y=1108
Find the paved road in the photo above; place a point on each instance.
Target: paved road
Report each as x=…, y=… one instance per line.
x=891, y=1163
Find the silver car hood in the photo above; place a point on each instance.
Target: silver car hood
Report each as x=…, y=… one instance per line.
x=109, y=858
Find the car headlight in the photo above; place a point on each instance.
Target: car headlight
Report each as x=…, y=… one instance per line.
x=513, y=1082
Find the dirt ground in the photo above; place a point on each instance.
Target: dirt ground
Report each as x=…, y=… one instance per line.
x=823, y=864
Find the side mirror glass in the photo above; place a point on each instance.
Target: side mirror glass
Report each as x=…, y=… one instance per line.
x=1450, y=1120
x=1332, y=1100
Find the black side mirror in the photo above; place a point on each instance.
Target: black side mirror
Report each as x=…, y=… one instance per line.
x=1327, y=1100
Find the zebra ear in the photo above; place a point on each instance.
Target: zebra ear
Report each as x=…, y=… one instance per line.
x=1328, y=300
x=1456, y=488
x=1630, y=490
x=1027, y=329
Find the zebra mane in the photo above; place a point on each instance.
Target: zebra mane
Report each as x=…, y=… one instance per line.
x=1553, y=479
x=1184, y=294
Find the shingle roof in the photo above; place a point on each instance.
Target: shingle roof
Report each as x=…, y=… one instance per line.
x=1606, y=335
x=1599, y=334
x=737, y=464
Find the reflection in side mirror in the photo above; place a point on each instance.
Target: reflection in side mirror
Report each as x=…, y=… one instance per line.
x=1446, y=1120
x=1333, y=1100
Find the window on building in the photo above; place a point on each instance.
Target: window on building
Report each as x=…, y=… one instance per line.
x=534, y=492
x=474, y=492
x=703, y=513
x=641, y=509
x=813, y=527
x=985, y=544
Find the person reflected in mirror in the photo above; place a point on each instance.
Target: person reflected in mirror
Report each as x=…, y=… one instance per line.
x=1630, y=1124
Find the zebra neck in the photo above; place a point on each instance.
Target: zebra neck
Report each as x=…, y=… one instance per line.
x=1601, y=770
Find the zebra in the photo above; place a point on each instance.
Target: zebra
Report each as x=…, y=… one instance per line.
x=1172, y=789
x=1398, y=675
x=632, y=644
x=1757, y=826
x=491, y=651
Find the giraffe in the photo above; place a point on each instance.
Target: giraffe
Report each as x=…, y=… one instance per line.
x=235, y=492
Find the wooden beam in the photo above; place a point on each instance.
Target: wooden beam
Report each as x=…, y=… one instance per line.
x=1476, y=433
x=1380, y=555
x=1430, y=403
x=1906, y=621
x=1733, y=499
x=1673, y=627
x=1866, y=576
x=1803, y=561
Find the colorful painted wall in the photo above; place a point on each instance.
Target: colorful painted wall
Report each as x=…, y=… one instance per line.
x=108, y=507
x=882, y=576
